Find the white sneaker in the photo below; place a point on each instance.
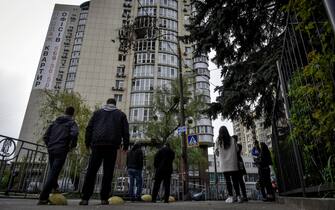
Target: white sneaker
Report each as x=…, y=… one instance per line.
x=230, y=199
x=239, y=199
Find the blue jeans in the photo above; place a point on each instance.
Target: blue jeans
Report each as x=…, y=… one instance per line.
x=56, y=162
x=135, y=175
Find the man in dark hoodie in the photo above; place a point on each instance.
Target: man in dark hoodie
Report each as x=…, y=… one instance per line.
x=105, y=131
x=60, y=137
x=163, y=164
x=134, y=167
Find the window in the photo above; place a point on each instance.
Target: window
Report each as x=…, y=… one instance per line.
x=164, y=84
x=81, y=28
x=143, y=84
x=69, y=85
x=168, y=46
x=82, y=22
x=169, y=13
x=71, y=76
x=120, y=70
x=119, y=84
x=122, y=57
x=76, y=47
x=74, y=62
x=168, y=59
x=139, y=114
x=75, y=54
x=168, y=72
x=143, y=71
x=118, y=97
x=141, y=99
x=144, y=58
x=147, y=11
x=168, y=24
x=80, y=34
x=83, y=15
x=78, y=40
x=144, y=45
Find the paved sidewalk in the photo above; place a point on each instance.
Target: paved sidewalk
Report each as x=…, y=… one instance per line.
x=30, y=204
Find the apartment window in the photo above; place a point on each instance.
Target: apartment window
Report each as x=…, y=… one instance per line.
x=80, y=34
x=169, y=13
x=75, y=54
x=146, y=11
x=81, y=28
x=71, y=76
x=69, y=85
x=169, y=3
x=143, y=71
x=118, y=97
x=168, y=72
x=83, y=15
x=82, y=22
x=119, y=84
x=120, y=70
x=148, y=2
x=76, y=47
x=164, y=84
x=73, y=69
x=168, y=46
x=168, y=59
x=74, y=62
x=78, y=40
x=122, y=57
x=143, y=84
x=202, y=85
x=144, y=58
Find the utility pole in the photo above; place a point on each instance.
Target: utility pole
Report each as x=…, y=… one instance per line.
x=182, y=123
x=216, y=175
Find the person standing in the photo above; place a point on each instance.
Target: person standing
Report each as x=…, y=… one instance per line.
x=60, y=137
x=107, y=128
x=134, y=168
x=264, y=172
x=163, y=164
x=229, y=163
x=241, y=172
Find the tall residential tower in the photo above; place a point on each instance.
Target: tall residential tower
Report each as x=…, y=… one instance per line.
x=86, y=51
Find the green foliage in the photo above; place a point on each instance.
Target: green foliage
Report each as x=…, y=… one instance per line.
x=247, y=40
x=160, y=129
x=312, y=93
x=54, y=105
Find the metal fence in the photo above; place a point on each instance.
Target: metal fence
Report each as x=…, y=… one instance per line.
x=293, y=177
x=24, y=167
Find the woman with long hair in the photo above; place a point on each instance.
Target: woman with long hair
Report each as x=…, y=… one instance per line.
x=228, y=155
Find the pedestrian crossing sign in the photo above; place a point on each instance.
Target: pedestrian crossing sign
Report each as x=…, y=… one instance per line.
x=192, y=140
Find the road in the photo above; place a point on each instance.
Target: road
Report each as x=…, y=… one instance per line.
x=30, y=204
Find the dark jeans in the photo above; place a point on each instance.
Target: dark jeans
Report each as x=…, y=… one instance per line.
x=232, y=175
x=107, y=155
x=241, y=183
x=135, y=175
x=265, y=181
x=166, y=178
x=56, y=162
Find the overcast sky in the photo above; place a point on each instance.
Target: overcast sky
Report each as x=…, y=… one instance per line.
x=24, y=24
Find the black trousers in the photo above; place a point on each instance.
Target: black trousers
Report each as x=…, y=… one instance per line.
x=56, y=163
x=166, y=178
x=241, y=183
x=106, y=155
x=229, y=176
x=265, y=181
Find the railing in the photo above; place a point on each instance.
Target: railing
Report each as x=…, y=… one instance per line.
x=294, y=176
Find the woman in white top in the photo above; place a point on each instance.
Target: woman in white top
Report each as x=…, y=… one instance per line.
x=229, y=163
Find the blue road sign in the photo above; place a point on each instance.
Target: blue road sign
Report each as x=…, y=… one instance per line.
x=181, y=129
x=192, y=140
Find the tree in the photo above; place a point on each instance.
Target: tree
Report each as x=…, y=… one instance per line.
x=247, y=38
x=162, y=126
x=54, y=104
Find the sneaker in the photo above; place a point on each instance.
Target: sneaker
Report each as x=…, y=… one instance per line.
x=230, y=199
x=239, y=199
x=104, y=202
x=43, y=202
x=83, y=202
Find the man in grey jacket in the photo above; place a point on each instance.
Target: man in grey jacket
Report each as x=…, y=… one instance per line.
x=60, y=137
x=107, y=128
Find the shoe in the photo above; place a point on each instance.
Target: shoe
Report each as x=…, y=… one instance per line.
x=83, y=202
x=43, y=202
x=230, y=199
x=239, y=199
x=104, y=202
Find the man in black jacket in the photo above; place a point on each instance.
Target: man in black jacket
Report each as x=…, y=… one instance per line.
x=105, y=131
x=134, y=167
x=60, y=137
x=163, y=164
